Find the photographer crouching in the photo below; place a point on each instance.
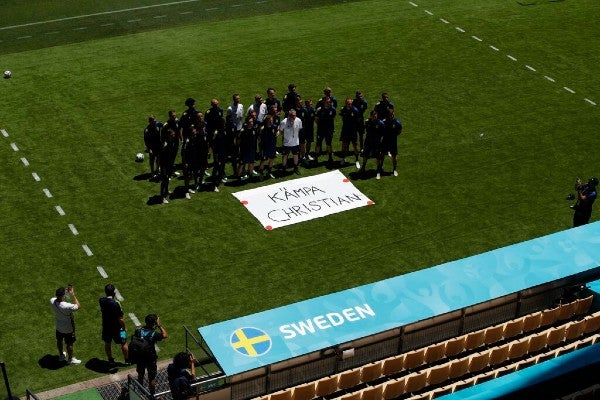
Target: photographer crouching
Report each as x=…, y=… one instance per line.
x=586, y=194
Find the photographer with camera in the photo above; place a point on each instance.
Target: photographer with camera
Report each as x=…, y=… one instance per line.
x=586, y=194
x=143, y=350
x=65, y=324
x=181, y=373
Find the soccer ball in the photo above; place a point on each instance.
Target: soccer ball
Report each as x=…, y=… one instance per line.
x=139, y=157
x=7, y=74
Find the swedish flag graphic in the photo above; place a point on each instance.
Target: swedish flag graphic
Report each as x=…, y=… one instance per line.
x=251, y=342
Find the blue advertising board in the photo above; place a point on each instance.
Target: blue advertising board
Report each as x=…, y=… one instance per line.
x=246, y=343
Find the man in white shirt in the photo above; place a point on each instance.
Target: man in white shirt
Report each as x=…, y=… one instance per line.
x=290, y=127
x=65, y=324
x=234, y=122
x=259, y=108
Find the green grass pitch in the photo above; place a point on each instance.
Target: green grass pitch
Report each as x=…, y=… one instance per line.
x=85, y=77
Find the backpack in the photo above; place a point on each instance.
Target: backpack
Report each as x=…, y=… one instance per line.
x=141, y=347
x=179, y=382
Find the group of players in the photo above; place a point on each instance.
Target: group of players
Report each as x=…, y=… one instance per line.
x=246, y=136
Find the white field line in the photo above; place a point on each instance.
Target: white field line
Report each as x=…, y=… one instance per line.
x=568, y=89
x=118, y=295
x=87, y=250
x=511, y=57
x=134, y=319
x=47, y=193
x=4, y=133
x=549, y=78
x=444, y=20
x=60, y=211
x=461, y=30
x=102, y=272
x=529, y=67
x=590, y=101
x=413, y=4
x=477, y=38
x=36, y=177
x=494, y=48
x=24, y=161
x=97, y=14
x=73, y=230
x=14, y=146
x=428, y=12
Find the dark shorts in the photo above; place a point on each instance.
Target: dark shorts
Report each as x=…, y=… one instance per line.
x=108, y=337
x=149, y=366
x=391, y=147
x=293, y=149
x=347, y=137
x=269, y=153
x=69, y=338
x=307, y=137
x=248, y=157
x=328, y=136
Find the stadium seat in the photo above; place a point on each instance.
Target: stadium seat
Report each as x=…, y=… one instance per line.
x=585, y=342
x=527, y=362
x=351, y=396
x=583, y=305
x=455, y=345
x=371, y=371
x=532, y=321
x=371, y=393
x=349, y=379
x=507, y=369
x=592, y=323
x=545, y=356
x=567, y=311
x=305, y=391
x=435, y=352
x=414, y=358
x=422, y=396
x=479, y=361
x=549, y=317
x=416, y=381
x=459, y=368
x=519, y=348
x=438, y=374
x=574, y=329
x=556, y=335
x=567, y=348
x=393, y=365
x=442, y=391
x=327, y=385
x=499, y=354
x=464, y=383
x=537, y=341
x=394, y=388
x=474, y=339
x=493, y=334
x=514, y=327
x=285, y=394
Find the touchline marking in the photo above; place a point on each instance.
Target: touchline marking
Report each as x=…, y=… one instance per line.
x=73, y=229
x=477, y=38
x=118, y=295
x=36, y=177
x=511, y=57
x=458, y=28
x=87, y=250
x=568, y=89
x=97, y=14
x=14, y=146
x=134, y=319
x=529, y=67
x=47, y=193
x=550, y=79
x=590, y=101
x=102, y=271
x=24, y=161
x=494, y=48
x=60, y=211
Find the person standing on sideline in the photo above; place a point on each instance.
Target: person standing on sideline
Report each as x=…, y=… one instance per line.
x=113, y=324
x=383, y=106
x=181, y=373
x=325, y=117
x=235, y=121
x=152, y=142
x=268, y=146
x=147, y=362
x=361, y=105
x=290, y=128
x=393, y=129
x=307, y=135
x=374, y=133
x=290, y=99
x=349, y=132
x=167, y=156
x=586, y=195
x=65, y=324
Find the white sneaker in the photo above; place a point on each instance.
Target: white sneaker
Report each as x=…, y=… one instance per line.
x=224, y=179
x=74, y=361
x=206, y=173
x=310, y=158
x=378, y=176
x=191, y=191
x=395, y=173
x=63, y=356
x=271, y=176
x=216, y=189
x=254, y=172
x=187, y=196
x=165, y=201
x=176, y=173
x=357, y=164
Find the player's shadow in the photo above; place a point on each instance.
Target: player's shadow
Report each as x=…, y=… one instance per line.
x=102, y=366
x=51, y=362
x=142, y=177
x=358, y=175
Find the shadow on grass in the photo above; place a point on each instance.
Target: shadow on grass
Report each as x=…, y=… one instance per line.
x=51, y=362
x=102, y=366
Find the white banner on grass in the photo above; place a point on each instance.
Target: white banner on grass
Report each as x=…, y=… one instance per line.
x=302, y=199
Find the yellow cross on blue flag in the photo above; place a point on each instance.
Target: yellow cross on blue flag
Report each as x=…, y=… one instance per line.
x=251, y=342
